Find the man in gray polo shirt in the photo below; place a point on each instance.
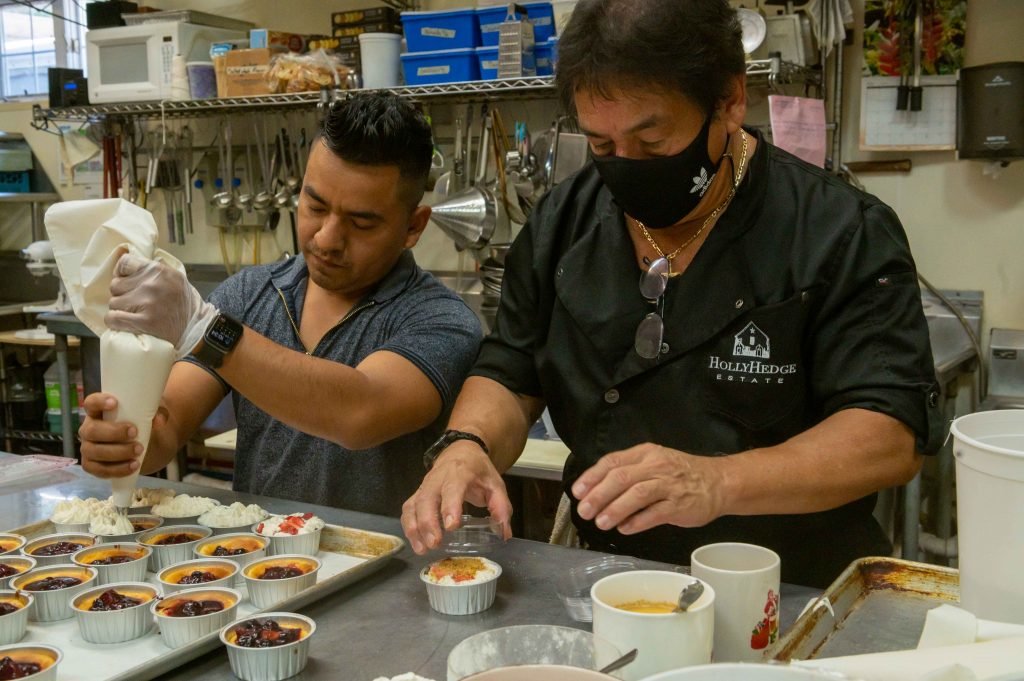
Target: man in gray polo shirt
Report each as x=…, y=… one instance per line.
x=343, y=363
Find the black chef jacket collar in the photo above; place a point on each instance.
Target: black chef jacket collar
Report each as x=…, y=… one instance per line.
x=598, y=280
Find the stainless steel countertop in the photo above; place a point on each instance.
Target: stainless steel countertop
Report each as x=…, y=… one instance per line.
x=382, y=625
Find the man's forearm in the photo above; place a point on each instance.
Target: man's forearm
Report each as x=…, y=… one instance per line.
x=354, y=407
x=498, y=416
x=847, y=456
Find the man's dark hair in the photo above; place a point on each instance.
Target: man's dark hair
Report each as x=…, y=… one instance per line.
x=693, y=47
x=380, y=129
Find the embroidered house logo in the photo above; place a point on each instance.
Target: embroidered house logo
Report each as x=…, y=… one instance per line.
x=752, y=342
x=701, y=182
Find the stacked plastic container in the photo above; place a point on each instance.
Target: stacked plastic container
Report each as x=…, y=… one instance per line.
x=460, y=45
x=441, y=47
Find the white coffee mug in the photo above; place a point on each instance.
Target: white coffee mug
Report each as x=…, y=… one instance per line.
x=746, y=579
x=663, y=640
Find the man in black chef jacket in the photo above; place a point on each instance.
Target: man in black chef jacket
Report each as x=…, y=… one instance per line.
x=771, y=371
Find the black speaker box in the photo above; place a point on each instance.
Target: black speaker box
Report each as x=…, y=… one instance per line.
x=67, y=87
x=991, y=111
x=107, y=14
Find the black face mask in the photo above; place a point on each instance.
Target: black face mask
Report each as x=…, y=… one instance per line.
x=659, y=192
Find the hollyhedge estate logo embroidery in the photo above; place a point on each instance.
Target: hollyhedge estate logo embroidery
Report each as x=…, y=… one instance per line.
x=752, y=342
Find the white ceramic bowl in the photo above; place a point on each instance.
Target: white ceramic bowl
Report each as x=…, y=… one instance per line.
x=539, y=672
x=254, y=545
x=168, y=554
x=269, y=664
x=133, y=570
x=84, y=539
x=305, y=544
x=265, y=593
x=226, y=569
x=52, y=606
x=14, y=624
x=19, y=563
x=146, y=522
x=180, y=631
x=115, y=626
x=46, y=656
x=530, y=644
x=465, y=598
x=10, y=543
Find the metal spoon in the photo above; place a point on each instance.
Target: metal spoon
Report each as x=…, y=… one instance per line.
x=619, y=663
x=689, y=595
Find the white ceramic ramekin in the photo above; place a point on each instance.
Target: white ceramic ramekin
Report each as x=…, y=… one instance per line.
x=165, y=555
x=132, y=571
x=180, y=631
x=83, y=538
x=462, y=599
x=14, y=624
x=265, y=593
x=115, y=626
x=270, y=664
x=46, y=656
x=52, y=606
x=229, y=568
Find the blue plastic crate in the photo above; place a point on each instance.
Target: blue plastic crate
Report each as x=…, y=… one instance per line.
x=448, y=30
x=540, y=14
x=14, y=182
x=547, y=54
x=440, y=66
x=488, y=59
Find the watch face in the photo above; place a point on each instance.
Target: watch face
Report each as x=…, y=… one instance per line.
x=222, y=333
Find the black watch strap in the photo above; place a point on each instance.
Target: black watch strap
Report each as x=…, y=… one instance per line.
x=220, y=338
x=446, y=439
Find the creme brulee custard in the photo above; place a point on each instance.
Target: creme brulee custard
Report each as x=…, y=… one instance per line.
x=648, y=607
x=233, y=546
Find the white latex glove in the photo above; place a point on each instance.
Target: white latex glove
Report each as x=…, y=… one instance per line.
x=148, y=297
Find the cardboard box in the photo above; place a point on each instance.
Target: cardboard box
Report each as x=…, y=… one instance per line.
x=245, y=72
x=261, y=37
x=365, y=16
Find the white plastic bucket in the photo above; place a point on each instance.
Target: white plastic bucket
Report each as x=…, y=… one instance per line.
x=989, y=451
x=379, y=54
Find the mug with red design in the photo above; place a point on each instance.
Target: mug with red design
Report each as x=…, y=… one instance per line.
x=745, y=578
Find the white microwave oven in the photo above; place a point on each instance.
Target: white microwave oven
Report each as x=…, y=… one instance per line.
x=133, y=63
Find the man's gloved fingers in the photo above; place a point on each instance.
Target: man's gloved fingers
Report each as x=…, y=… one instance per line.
x=124, y=320
x=129, y=263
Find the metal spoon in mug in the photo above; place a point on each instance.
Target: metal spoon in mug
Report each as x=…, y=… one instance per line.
x=689, y=595
x=619, y=663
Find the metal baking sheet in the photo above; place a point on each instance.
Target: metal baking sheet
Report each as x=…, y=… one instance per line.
x=876, y=605
x=347, y=555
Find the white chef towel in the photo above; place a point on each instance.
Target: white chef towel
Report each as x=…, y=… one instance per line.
x=949, y=625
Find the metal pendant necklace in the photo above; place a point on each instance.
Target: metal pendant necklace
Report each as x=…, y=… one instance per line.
x=707, y=221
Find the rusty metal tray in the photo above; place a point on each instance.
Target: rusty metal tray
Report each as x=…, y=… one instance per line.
x=347, y=555
x=876, y=605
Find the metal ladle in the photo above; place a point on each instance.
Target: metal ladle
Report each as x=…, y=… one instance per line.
x=689, y=595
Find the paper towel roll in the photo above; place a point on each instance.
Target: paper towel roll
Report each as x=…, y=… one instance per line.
x=134, y=369
x=179, y=78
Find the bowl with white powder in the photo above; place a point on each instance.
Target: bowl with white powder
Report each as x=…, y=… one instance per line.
x=233, y=518
x=183, y=509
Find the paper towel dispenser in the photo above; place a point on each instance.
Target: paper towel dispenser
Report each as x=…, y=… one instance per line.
x=991, y=112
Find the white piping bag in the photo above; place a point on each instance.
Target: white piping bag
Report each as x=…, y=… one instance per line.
x=88, y=239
